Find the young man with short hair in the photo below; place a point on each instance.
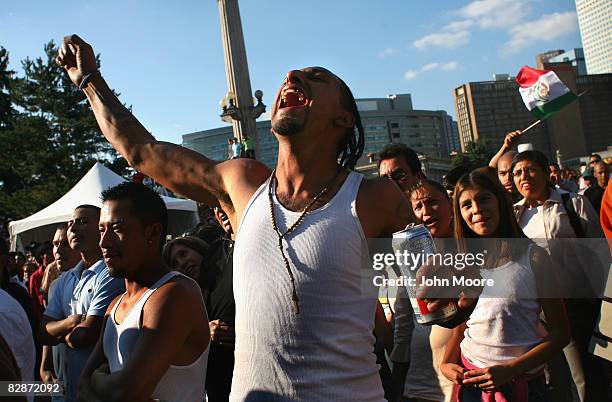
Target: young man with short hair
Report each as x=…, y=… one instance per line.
x=79, y=298
x=155, y=335
x=401, y=164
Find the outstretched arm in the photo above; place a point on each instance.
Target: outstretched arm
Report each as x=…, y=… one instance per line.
x=177, y=168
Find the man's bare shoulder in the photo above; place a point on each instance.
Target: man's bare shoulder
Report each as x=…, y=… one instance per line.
x=241, y=178
x=382, y=207
x=180, y=288
x=244, y=170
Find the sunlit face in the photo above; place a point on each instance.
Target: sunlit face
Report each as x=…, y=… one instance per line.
x=83, y=229
x=127, y=244
x=480, y=211
x=185, y=260
x=504, y=173
x=398, y=170
x=530, y=180
x=309, y=98
x=433, y=209
x=65, y=257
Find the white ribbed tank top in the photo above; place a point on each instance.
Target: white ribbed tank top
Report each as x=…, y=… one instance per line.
x=326, y=352
x=506, y=321
x=179, y=383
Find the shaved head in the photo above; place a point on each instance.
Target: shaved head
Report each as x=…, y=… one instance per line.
x=504, y=170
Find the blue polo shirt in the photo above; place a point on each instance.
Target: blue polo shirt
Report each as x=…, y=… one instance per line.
x=81, y=291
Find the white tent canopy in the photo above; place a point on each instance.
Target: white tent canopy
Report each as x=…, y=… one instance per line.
x=182, y=214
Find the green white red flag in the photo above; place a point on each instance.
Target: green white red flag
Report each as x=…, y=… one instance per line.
x=543, y=92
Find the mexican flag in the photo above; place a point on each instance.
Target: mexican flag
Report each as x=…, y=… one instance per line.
x=543, y=92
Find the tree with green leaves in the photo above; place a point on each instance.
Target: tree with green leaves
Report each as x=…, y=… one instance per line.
x=477, y=154
x=49, y=137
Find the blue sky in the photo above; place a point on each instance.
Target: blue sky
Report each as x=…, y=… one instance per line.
x=166, y=58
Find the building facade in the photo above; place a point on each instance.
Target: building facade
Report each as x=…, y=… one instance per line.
x=213, y=142
x=393, y=119
x=595, y=110
x=595, y=22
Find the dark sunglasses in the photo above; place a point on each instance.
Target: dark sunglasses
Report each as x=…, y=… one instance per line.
x=397, y=175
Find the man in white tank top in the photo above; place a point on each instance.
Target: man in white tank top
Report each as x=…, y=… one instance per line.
x=284, y=342
x=155, y=335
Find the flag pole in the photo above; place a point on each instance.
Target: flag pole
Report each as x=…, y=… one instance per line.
x=532, y=125
x=535, y=123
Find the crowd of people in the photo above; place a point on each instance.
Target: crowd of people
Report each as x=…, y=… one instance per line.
x=266, y=301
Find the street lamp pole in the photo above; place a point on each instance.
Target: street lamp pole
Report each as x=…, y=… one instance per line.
x=238, y=105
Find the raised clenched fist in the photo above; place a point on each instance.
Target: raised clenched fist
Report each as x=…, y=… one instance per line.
x=512, y=138
x=77, y=57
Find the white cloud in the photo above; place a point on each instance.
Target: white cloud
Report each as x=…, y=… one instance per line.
x=450, y=66
x=545, y=28
x=388, y=52
x=495, y=13
x=443, y=39
x=410, y=75
x=458, y=26
x=430, y=66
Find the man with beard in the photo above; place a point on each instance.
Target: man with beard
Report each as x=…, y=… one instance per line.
x=80, y=298
x=155, y=335
x=304, y=318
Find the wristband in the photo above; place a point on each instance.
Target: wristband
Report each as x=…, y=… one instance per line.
x=88, y=78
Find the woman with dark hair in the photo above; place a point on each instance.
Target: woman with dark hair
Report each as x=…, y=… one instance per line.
x=500, y=351
x=542, y=213
x=419, y=349
x=554, y=218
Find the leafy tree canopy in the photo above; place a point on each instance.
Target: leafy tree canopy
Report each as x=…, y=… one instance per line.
x=49, y=137
x=477, y=154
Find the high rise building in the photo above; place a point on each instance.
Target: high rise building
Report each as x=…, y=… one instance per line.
x=490, y=109
x=384, y=120
x=595, y=22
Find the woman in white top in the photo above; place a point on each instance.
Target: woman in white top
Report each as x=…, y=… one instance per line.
x=500, y=350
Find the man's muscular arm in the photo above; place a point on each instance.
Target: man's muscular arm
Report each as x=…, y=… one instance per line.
x=167, y=323
x=177, y=168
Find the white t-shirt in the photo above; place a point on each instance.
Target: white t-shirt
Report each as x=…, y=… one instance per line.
x=16, y=331
x=532, y=223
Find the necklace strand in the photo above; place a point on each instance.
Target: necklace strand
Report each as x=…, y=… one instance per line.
x=272, y=188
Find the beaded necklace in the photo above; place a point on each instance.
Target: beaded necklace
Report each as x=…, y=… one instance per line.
x=272, y=187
